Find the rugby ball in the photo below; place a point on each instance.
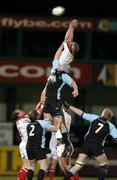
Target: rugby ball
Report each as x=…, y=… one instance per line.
x=58, y=11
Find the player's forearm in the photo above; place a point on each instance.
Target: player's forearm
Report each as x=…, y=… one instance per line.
x=77, y=111
x=75, y=89
x=54, y=128
x=69, y=34
x=43, y=95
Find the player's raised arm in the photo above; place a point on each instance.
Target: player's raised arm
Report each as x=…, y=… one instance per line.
x=59, y=51
x=69, y=36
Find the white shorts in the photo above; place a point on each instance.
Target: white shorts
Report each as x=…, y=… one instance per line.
x=22, y=149
x=60, y=149
x=53, y=146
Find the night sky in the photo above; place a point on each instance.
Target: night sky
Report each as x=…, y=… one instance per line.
x=74, y=8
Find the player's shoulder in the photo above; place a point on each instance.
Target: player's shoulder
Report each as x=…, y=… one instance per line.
x=25, y=120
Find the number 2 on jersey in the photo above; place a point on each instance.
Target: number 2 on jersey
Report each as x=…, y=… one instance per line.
x=32, y=130
x=99, y=128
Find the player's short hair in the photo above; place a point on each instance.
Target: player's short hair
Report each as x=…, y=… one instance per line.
x=107, y=113
x=33, y=115
x=16, y=114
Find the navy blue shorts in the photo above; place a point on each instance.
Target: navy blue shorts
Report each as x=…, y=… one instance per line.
x=92, y=149
x=53, y=107
x=36, y=153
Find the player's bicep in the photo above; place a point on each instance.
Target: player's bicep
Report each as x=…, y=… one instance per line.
x=89, y=117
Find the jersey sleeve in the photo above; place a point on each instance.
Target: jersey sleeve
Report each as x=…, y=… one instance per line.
x=55, y=65
x=113, y=130
x=89, y=117
x=45, y=124
x=67, y=79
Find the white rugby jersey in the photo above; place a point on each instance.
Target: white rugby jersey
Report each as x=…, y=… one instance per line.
x=66, y=56
x=22, y=128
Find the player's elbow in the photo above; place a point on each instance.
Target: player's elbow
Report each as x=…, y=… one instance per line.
x=54, y=129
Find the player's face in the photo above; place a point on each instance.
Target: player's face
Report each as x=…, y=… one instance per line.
x=61, y=68
x=69, y=44
x=74, y=49
x=21, y=114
